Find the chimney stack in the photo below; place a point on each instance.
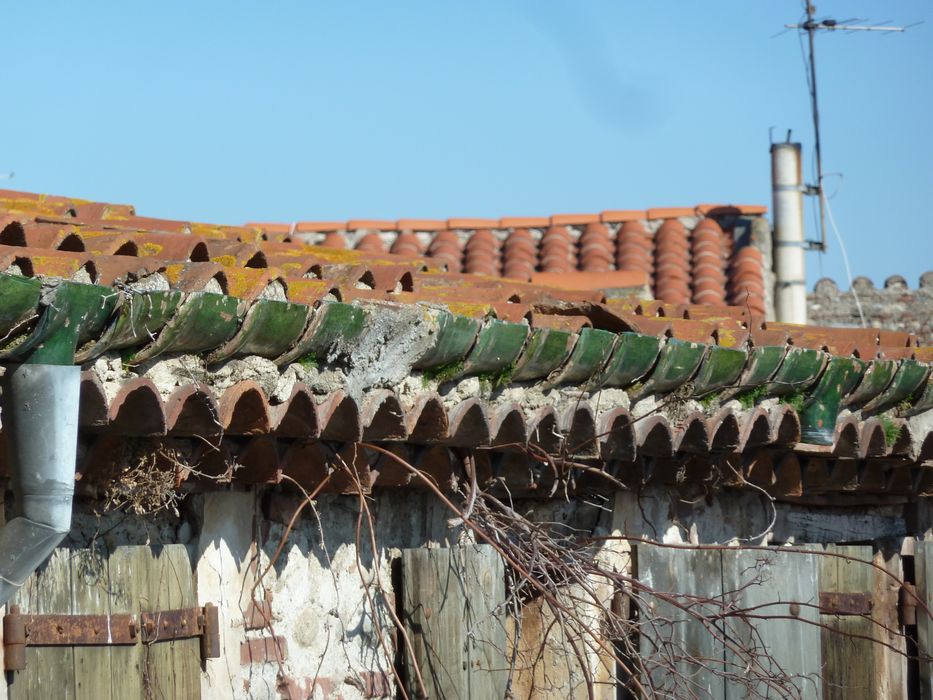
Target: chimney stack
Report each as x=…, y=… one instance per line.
x=790, y=294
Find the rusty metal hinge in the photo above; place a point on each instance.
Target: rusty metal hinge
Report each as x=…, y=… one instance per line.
x=834, y=603
x=21, y=631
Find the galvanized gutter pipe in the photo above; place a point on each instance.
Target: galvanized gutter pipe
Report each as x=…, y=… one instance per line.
x=40, y=419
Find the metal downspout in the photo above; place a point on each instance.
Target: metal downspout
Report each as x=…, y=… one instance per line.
x=40, y=419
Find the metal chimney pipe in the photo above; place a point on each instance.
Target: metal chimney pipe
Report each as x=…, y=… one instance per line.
x=790, y=294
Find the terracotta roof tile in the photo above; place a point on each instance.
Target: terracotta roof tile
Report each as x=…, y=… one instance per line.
x=618, y=216
x=318, y=226
x=670, y=212
x=420, y=225
x=377, y=224
x=472, y=223
x=548, y=320
x=524, y=221
x=574, y=219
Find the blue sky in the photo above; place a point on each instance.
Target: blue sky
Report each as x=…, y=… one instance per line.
x=235, y=111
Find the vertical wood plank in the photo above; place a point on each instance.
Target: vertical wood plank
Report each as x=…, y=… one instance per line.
x=670, y=635
x=923, y=572
x=848, y=662
x=25, y=684
x=90, y=594
x=451, y=604
x=763, y=580
x=129, y=569
x=175, y=664
x=890, y=661
x=56, y=664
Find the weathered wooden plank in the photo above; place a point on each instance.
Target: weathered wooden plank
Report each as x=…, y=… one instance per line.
x=451, y=604
x=24, y=684
x=175, y=664
x=90, y=593
x=129, y=569
x=923, y=571
x=683, y=655
x=890, y=658
x=56, y=664
x=848, y=662
x=782, y=585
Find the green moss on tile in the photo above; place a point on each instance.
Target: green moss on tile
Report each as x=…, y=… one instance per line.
x=444, y=373
x=490, y=381
x=308, y=361
x=748, y=399
x=796, y=400
x=891, y=429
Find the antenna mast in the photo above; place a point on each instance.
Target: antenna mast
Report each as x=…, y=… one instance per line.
x=812, y=26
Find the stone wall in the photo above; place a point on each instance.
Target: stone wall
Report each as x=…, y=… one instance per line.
x=895, y=306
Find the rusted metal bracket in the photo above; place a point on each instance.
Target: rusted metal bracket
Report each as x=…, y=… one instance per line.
x=834, y=603
x=21, y=631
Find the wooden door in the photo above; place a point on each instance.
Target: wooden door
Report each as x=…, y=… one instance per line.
x=129, y=580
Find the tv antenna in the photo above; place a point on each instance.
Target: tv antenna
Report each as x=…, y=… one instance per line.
x=811, y=26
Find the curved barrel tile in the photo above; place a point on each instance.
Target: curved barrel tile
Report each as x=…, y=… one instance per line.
x=875, y=380
x=454, y=337
x=383, y=417
x=139, y=319
x=191, y=411
x=508, y=427
x=546, y=350
x=822, y=405
x=427, y=420
x=799, y=370
x=297, y=416
x=203, y=321
x=721, y=369
x=244, y=410
x=590, y=353
x=340, y=419
x=269, y=329
x=617, y=435
x=654, y=437
x=259, y=460
x=724, y=432
x=633, y=357
x=497, y=346
x=677, y=363
x=468, y=425
x=137, y=409
x=906, y=383
x=331, y=323
x=92, y=409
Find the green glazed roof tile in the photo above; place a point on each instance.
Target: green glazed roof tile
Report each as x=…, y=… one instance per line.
x=907, y=382
x=590, y=354
x=269, y=329
x=762, y=364
x=19, y=297
x=497, y=346
x=332, y=322
x=720, y=369
x=453, y=339
x=821, y=408
x=138, y=320
x=75, y=313
x=678, y=362
x=202, y=322
x=799, y=370
x=633, y=357
x=875, y=380
x=546, y=350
